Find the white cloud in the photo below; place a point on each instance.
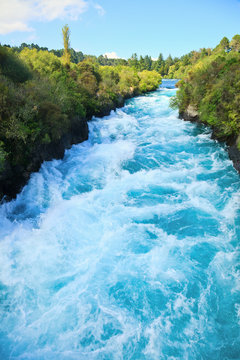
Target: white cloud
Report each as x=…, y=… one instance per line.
x=111, y=55
x=6, y=28
x=15, y=15
x=99, y=9
x=53, y=9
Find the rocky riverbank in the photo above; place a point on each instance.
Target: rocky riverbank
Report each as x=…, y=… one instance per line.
x=191, y=114
x=45, y=104
x=13, y=178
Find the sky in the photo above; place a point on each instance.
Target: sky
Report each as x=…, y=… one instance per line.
x=120, y=28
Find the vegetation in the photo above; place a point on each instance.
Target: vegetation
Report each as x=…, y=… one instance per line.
x=210, y=84
x=138, y=63
x=66, y=44
x=43, y=96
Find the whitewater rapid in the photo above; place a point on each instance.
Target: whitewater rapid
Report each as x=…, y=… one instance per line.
x=128, y=248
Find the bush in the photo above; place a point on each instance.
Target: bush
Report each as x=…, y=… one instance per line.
x=12, y=67
x=212, y=86
x=41, y=99
x=149, y=80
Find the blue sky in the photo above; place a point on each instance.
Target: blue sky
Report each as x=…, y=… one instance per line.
x=121, y=26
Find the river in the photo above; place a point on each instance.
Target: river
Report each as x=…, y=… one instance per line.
x=128, y=248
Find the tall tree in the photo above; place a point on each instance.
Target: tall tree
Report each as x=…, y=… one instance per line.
x=141, y=63
x=159, y=63
x=66, y=43
x=133, y=61
x=224, y=44
x=169, y=60
x=235, y=43
x=147, y=62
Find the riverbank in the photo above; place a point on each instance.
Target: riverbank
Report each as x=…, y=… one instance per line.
x=45, y=105
x=209, y=92
x=231, y=141
x=14, y=178
x=124, y=239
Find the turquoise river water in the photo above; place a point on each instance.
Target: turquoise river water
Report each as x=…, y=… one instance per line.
x=128, y=248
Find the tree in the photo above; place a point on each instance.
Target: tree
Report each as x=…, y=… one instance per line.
x=160, y=58
x=185, y=59
x=235, y=43
x=66, y=43
x=141, y=63
x=133, y=61
x=149, y=80
x=12, y=67
x=169, y=60
x=159, y=63
x=148, y=62
x=224, y=44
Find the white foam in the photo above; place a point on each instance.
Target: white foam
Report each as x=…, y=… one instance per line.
x=90, y=266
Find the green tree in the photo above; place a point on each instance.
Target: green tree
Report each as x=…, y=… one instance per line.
x=66, y=43
x=148, y=62
x=169, y=60
x=149, y=80
x=41, y=61
x=141, y=63
x=235, y=43
x=12, y=67
x=133, y=61
x=224, y=44
x=159, y=63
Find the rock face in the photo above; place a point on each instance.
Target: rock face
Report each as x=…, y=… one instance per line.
x=234, y=155
x=191, y=114
x=15, y=177
x=107, y=107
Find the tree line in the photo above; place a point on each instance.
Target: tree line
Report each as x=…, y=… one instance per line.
x=210, y=84
x=139, y=63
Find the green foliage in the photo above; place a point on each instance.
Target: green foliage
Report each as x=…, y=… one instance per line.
x=3, y=156
x=42, y=62
x=53, y=122
x=235, y=43
x=133, y=61
x=69, y=55
x=66, y=44
x=88, y=77
x=149, y=80
x=41, y=98
x=129, y=81
x=224, y=44
x=211, y=85
x=108, y=87
x=12, y=67
x=238, y=142
x=174, y=102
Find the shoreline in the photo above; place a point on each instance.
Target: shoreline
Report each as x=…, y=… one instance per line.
x=14, y=178
x=233, y=152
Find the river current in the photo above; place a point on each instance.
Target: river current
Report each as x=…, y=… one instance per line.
x=128, y=248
